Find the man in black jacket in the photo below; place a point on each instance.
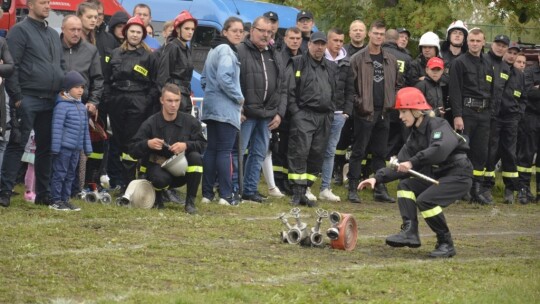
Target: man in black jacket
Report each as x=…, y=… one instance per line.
x=167, y=133
x=83, y=57
x=529, y=136
x=38, y=76
x=311, y=84
x=264, y=106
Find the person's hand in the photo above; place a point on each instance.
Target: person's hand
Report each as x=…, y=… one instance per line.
x=92, y=110
x=242, y=116
x=18, y=103
x=458, y=123
x=274, y=123
x=369, y=183
x=404, y=167
x=178, y=147
x=346, y=116
x=155, y=143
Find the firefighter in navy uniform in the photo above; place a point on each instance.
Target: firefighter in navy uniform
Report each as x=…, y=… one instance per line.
x=165, y=134
x=435, y=150
x=471, y=80
x=504, y=129
x=311, y=84
x=501, y=73
x=529, y=137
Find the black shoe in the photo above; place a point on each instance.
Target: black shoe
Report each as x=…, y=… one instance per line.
x=408, y=236
x=5, y=198
x=488, y=195
x=380, y=194
x=523, y=197
x=158, y=203
x=71, y=206
x=173, y=196
x=353, y=193
x=190, y=205
x=297, y=195
x=60, y=206
x=44, y=200
x=255, y=197
x=307, y=202
x=444, y=248
x=264, y=197
x=508, y=196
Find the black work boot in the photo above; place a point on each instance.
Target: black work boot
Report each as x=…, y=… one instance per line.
x=5, y=198
x=508, y=196
x=477, y=196
x=297, y=195
x=190, y=205
x=353, y=193
x=523, y=197
x=380, y=194
x=338, y=175
x=408, y=236
x=158, y=203
x=445, y=247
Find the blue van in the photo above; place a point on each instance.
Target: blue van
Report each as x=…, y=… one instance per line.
x=211, y=14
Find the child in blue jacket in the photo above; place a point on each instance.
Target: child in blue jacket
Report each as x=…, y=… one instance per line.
x=70, y=136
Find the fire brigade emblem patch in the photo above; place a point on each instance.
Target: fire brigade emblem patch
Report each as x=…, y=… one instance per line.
x=437, y=135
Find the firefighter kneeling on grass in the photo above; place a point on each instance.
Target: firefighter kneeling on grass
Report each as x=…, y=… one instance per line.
x=435, y=150
x=167, y=133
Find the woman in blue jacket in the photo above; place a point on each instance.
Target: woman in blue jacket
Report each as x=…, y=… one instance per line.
x=223, y=101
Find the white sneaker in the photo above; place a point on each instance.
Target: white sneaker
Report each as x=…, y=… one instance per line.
x=204, y=200
x=327, y=195
x=275, y=192
x=310, y=195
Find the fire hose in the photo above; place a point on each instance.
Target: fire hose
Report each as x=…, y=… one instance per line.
x=344, y=231
x=394, y=163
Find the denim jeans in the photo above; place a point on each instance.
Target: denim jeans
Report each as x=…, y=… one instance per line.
x=64, y=169
x=254, y=134
x=217, y=158
x=328, y=163
x=35, y=113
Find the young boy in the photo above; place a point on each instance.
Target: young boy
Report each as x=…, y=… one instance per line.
x=70, y=136
x=431, y=85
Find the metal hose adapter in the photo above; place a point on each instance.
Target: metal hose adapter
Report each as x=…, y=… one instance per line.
x=298, y=233
x=335, y=219
x=316, y=237
x=283, y=234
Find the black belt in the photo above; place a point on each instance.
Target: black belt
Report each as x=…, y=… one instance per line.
x=129, y=84
x=451, y=159
x=476, y=103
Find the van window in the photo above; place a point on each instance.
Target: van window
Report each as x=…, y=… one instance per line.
x=201, y=45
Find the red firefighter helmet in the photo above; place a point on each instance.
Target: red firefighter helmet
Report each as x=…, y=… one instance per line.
x=411, y=98
x=134, y=21
x=182, y=18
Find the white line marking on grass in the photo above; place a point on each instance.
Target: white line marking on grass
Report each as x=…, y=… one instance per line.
x=221, y=242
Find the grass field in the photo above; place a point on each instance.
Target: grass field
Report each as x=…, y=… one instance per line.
x=107, y=254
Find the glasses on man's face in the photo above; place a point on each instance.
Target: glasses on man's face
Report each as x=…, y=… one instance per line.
x=263, y=31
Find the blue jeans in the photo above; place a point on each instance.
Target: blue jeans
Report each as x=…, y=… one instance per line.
x=35, y=113
x=328, y=163
x=64, y=169
x=255, y=134
x=217, y=158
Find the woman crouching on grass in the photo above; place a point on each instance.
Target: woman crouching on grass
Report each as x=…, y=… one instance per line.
x=435, y=150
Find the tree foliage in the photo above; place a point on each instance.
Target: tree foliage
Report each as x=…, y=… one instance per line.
x=419, y=16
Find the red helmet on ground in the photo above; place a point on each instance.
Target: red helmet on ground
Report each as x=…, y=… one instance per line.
x=182, y=18
x=411, y=98
x=134, y=21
